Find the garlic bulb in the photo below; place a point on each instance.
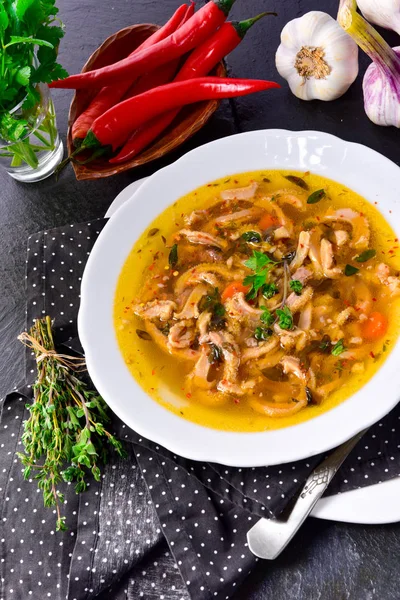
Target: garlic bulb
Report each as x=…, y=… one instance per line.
x=381, y=83
x=316, y=57
x=385, y=13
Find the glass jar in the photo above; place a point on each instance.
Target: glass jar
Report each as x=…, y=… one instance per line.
x=37, y=153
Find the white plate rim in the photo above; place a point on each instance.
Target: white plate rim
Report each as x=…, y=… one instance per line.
x=194, y=441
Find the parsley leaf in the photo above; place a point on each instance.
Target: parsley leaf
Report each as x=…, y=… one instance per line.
x=285, y=317
x=269, y=290
x=256, y=282
x=258, y=261
x=28, y=54
x=296, y=286
x=338, y=348
x=262, y=333
x=251, y=236
x=266, y=317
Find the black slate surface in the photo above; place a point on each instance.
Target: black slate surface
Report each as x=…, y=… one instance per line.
x=326, y=561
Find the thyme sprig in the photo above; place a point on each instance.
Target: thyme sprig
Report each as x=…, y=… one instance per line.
x=64, y=435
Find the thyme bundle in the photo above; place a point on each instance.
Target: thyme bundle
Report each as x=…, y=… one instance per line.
x=64, y=436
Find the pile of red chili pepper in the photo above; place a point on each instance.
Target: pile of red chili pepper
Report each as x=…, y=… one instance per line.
x=142, y=94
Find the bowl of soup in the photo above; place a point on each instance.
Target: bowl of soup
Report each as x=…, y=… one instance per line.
x=243, y=307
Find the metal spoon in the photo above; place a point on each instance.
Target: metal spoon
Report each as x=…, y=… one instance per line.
x=268, y=537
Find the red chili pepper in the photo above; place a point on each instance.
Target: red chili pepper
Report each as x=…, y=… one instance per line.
x=159, y=76
x=110, y=95
x=199, y=27
x=113, y=127
x=200, y=63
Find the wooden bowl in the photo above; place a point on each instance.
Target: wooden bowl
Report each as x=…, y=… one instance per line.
x=186, y=124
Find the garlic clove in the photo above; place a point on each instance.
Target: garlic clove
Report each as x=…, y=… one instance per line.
x=385, y=13
x=316, y=57
x=381, y=97
x=381, y=84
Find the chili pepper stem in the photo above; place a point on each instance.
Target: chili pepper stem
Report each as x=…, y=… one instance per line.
x=367, y=38
x=66, y=161
x=90, y=141
x=242, y=27
x=96, y=154
x=225, y=5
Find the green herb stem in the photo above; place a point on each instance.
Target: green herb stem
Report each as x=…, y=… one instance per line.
x=63, y=436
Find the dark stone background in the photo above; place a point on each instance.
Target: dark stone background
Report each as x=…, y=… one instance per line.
x=326, y=561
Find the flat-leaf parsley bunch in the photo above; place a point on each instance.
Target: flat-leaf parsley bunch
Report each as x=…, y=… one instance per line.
x=26, y=27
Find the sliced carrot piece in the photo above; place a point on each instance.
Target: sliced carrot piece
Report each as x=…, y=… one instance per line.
x=375, y=326
x=267, y=221
x=234, y=288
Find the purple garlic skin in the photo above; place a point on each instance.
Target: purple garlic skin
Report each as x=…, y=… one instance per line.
x=381, y=86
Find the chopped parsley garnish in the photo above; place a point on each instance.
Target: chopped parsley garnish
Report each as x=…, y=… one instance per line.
x=267, y=318
x=251, y=236
x=209, y=301
x=259, y=264
x=215, y=355
x=262, y=333
x=325, y=343
x=296, y=286
x=366, y=255
x=256, y=282
x=338, y=348
x=258, y=261
x=285, y=318
x=269, y=290
x=212, y=303
x=173, y=255
x=350, y=270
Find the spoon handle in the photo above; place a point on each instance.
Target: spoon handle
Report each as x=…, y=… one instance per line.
x=268, y=537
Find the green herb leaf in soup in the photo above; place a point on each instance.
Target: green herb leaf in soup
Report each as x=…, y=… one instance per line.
x=269, y=290
x=316, y=197
x=251, y=237
x=266, y=317
x=173, y=255
x=338, y=348
x=349, y=270
x=296, y=286
x=262, y=333
x=297, y=181
x=366, y=255
x=285, y=318
x=258, y=261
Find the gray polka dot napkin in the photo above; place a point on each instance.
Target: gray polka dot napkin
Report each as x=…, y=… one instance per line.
x=156, y=525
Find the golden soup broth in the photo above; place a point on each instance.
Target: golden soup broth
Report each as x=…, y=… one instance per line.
x=164, y=377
